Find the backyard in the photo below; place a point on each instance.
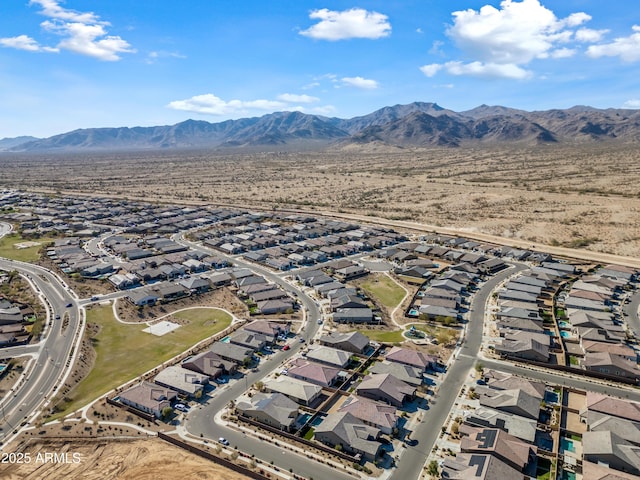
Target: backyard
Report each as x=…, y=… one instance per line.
x=124, y=352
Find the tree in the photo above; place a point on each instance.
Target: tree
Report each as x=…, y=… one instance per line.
x=432, y=468
x=166, y=412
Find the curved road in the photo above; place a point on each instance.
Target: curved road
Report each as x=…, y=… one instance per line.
x=52, y=352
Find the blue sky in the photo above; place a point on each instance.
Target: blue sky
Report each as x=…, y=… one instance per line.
x=79, y=64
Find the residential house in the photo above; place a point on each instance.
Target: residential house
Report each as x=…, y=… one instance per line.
x=233, y=353
x=521, y=427
x=372, y=413
x=515, y=401
x=354, y=342
x=329, y=356
x=353, y=435
x=387, y=388
x=273, y=409
x=608, y=448
x=299, y=391
x=467, y=466
x=410, y=357
x=406, y=373
x=210, y=364
x=252, y=340
x=148, y=397
x=186, y=382
x=611, y=364
x=498, y=443
x=315, y=373
x=269, y=328
x=353, y=315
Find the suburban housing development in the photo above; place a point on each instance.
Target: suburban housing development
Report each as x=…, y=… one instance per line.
x=351, y=350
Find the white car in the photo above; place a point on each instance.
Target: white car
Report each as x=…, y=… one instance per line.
x=223, y=441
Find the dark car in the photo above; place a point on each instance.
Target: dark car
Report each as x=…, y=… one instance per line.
x=286, y=347
x=69, y=305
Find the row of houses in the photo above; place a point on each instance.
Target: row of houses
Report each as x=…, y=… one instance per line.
x=595, y=334
x=15, y=321
x=361, y=418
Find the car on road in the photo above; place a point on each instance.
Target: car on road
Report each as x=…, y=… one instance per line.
x=69, y=305
x=319, y=321
x=302, y=340
x=94, y=298
x=223, y=441
x=57, y=317
x=286, y=347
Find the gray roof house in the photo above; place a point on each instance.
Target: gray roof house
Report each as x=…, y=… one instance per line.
x=254, y=341
x=607, y=447
x=299, y=391
x=515, y=401
x=352, y=434
x=313, y=372
x=210, y=364
x=406, y=373
x=273, y=409
x=387, y=388
x=182, y=380
x=410, y=357
x=354, y=342
x=233, y=353
x=372, y=413
x=467, y=466
x=329, y=356
x=521, y=427
x=148, y=397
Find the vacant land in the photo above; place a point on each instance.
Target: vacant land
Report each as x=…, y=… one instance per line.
x=383, y=289
x=115, y=460
x=124, y=351
x=574, y=196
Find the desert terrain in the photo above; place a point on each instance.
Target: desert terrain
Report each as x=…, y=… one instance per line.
x=579, y=196
x=148, y=459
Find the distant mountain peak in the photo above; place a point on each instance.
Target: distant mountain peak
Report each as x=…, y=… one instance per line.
x=417, y=124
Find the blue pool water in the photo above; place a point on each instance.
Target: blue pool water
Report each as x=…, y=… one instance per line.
x=226, y=339
x=564, y=324
x=548, y=332
x=413, y=312
x=550, y=397
x=566, y=445
x=564, y=334
x=568, y=475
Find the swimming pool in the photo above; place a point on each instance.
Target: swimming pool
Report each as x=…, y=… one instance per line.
x=564, y=324
x=566, y=445
x=226, y=339
x=564, y=334
x=413, y=312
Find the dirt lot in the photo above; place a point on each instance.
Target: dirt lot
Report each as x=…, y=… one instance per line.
x=557, y=195
x=150, y=459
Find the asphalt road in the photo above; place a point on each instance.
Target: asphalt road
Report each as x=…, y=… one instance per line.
x=201, y=419
x=52, y=352
x=413, y=458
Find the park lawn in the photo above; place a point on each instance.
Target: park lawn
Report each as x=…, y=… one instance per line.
x=394, y=336
x=384, y=289
x=124, y=352
x=30, y=254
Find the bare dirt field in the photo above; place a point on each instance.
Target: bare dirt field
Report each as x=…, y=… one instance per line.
x=148, y=459
x=572, y=196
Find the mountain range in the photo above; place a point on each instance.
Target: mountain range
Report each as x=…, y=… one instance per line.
x=417, y=124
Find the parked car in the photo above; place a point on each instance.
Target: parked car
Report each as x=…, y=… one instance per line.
x=223, y=441
x=286, y=347
x=181, y=407
x=221, y=381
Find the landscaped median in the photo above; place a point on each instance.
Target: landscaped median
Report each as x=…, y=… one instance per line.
x=124, y=351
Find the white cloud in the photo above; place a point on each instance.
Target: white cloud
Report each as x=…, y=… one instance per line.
x=502, y=41
x=52, y=9
x=353, y=23
x=152, y=57
x=627, y=48
x=24, y=42
x=323, y=110
x=633, y=103
x=89, y=40
x=359, y=82
x=81, y=32
x=431, y=69
x=293, y=98
x=311, y=85
x=589, y=35
x=563, y=53
x=209, y=104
